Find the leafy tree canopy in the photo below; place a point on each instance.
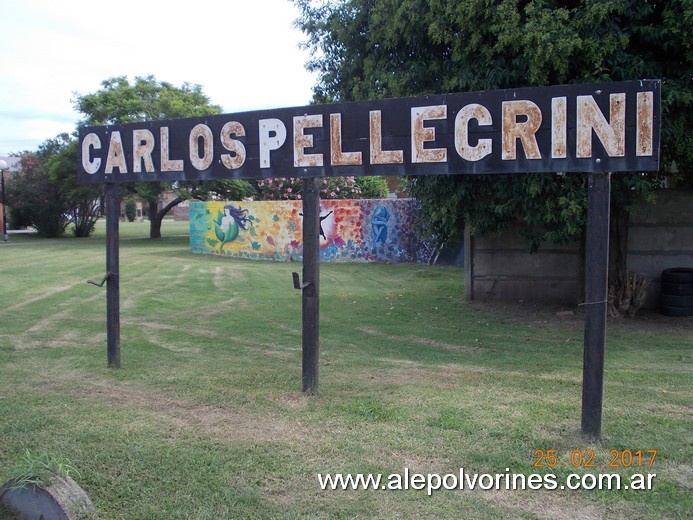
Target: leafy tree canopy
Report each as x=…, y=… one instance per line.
x=145, y=99
x=369, y=49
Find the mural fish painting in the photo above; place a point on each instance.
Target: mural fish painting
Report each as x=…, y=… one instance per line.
x=228, y=224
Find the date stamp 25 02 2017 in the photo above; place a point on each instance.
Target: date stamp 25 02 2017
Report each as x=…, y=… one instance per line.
x=585, y=458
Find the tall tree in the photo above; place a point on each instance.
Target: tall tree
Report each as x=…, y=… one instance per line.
x=45, y=194
x=83, y=201
x=145, y=99
x=33, y=198
x=369, y=49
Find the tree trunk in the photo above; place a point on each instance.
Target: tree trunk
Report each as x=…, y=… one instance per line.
x=627, y=291
x=156, y=217
x=618, y=243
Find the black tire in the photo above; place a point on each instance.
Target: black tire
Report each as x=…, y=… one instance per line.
x=676, y=311
x=672, y=300
x=678, y=275
x=677, y=289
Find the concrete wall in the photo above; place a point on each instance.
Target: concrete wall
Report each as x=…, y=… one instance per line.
x=501, y=269
x=660, y=236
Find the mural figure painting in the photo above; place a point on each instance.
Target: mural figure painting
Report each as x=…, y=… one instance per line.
x=379, y=224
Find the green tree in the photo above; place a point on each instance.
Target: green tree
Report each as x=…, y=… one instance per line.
x=145, y=99
x=83, y=201
x=34, y=198
x=45, y=194
x=369, y=49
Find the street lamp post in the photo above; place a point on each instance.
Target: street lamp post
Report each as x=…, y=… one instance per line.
x=3, y=167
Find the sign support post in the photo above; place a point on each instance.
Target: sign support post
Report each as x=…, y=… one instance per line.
x=311, y=284
x=596, y=289
x=112, y=275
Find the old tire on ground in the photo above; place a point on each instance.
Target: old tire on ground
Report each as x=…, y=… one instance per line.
x=677, y=289
x=60, y=498
x=678, y=275
x=676, y=296
x=674, y=300
x=676, y=311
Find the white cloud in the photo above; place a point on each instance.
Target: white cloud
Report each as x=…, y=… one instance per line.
x=245, y=55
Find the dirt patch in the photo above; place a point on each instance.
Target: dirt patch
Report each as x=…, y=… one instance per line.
x=293, y=401
x=420, y=341
x=441, y=377
x=542, y=504
x=67, y=339
x=682, y=474
x=572, y=318
x=229, y=423
x=46, y=293
x=452, y=376
x=221, y=276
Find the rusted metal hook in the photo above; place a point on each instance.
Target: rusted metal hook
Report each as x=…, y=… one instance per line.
x=103, y=281
x=297, y=282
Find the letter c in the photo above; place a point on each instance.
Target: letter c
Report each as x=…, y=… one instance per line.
x=90, y=141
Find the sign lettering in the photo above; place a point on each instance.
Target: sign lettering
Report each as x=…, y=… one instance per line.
x=569, y=128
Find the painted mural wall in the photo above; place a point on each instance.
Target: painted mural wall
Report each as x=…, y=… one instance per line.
x=372, y=230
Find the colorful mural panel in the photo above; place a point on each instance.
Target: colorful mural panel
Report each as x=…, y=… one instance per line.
x=372, y=230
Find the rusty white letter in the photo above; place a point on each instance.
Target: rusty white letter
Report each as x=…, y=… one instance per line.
x=611, y=134
x=559, y=128
x=201, y=134
x=303, y=141
x=168, y=165
x=235, y=161
x=378, y=155
x=464, y=149
x=90, y=141
x=421, y=134
x=524, y=131
x=116, y=155
x=337, y=156
x=142, y=147
x=645, y=119
x=272, y=137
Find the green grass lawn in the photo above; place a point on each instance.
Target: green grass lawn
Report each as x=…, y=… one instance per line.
x=205, y=419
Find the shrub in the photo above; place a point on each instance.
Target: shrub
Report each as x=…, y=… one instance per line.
x=372, y=187
x=290, y=188
x=130, y=210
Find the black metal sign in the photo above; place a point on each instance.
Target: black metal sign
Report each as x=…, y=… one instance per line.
x=606, y=127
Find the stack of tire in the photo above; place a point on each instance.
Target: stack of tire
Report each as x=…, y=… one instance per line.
x=676, y=298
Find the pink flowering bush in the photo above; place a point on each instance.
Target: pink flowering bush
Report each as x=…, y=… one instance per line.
x=290, y=188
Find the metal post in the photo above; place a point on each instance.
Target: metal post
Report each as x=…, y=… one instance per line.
x=596, y=287
x=113, y=270
x=311, y=289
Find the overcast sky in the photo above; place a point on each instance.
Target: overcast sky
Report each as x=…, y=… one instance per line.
x=244, y=54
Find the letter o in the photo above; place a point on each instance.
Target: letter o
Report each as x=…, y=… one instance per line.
x=204, y=132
